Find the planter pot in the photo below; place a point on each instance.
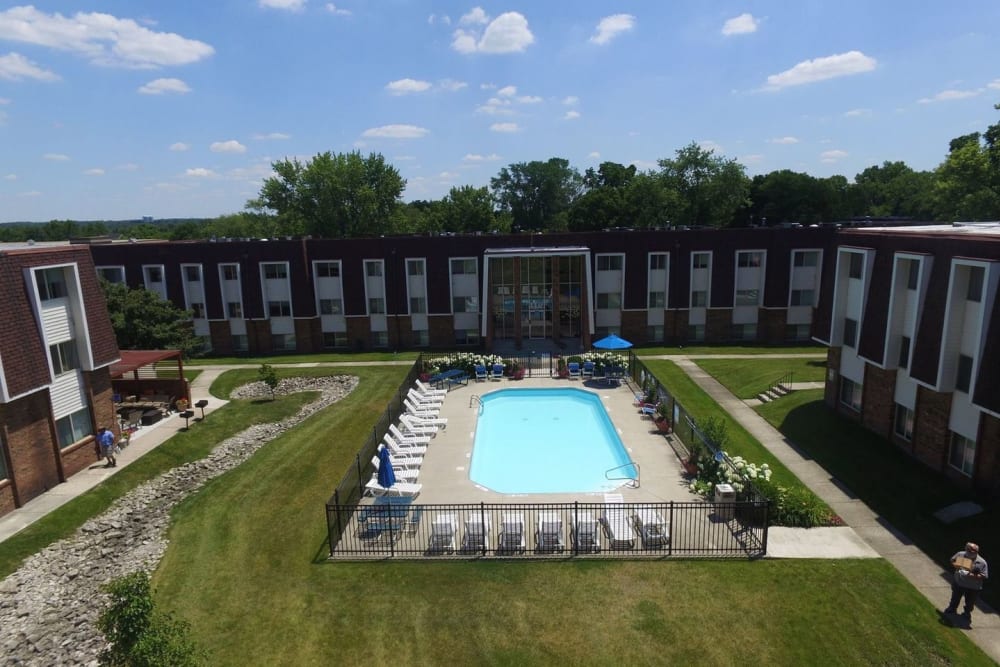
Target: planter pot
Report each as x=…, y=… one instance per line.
x=690, y=468
x=663, y=425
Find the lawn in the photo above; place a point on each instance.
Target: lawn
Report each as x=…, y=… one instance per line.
x=326, y=357
x=756, y=350
x=745, y=378
x=247, y=567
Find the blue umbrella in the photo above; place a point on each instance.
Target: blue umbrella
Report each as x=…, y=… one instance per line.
x=612, y=342
x=386, y=475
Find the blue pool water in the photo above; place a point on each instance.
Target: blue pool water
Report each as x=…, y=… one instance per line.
x=546, y=441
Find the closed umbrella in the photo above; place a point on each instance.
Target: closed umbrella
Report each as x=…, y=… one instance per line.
x=612, y=342
x=386, y=475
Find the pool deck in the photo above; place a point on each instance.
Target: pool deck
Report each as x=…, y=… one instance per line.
x=445, y=470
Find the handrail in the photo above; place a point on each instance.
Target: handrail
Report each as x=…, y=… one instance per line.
x=785, y=381
x=633, y=481
x=475, y=398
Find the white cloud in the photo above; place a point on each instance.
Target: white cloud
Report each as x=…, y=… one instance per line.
x=710, y=145
x=4, y=100
x=820, y=69
x=487, y=86
x=336, y=11
x=199, y=172
x=507, y=33
x=857, y=113
x=571, y=100
x=594, y=154
x=403, y=158
x=505, y=127
x=55, y=157
x=448, y=175
x=507, y=91
x=396, y=132
x=476, y=16
x=128, y=166
x=783, y=140
x=30, y=193
x=496, y=107
x=231, y=146
x=753, y=158
x=830, y=157
x=645, y=165
x=474, y=157
x=451, y=85
x=434, y=18
x=994, y=84
x=405, y=86
x=161, y=86
x=14, y=67
x=96, y=171
x=740, y=25
x=950, y=96
x=180, y=146
x=571, y=115
x=290, y=5
x=10, y=177
x=101, y=38
x=611, y=26
x=272, y=136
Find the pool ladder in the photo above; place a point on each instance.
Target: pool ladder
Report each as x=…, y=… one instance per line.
x=633, y=482
x=475, y=399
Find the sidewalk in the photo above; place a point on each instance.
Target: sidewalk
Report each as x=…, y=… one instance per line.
x=922, y=572
x=142, y=441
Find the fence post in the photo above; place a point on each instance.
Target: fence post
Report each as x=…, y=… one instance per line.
x=673, y=531
x=482, y=522
x=575, y=527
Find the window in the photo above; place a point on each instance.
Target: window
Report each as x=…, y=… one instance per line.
x=465, y=304
x=850, y=332
x=275, y=271
x=805, y=258
x=418, y=305
x=197, y=310
x=279, y=309
x=64, y=357
x=745, y=331
x=327, y=269
x=373, y=268
x=334, y=339
x=380, y=339
x=3, y=468
x=657, y=299
x=230, y=272
x=467, y=336
x=904, y=422
x=463, y=266
x=748, y=259
x=747, y=297
x=415, y=267
x=850, y=394
x=51, y=284
x=913, y=275
x=796, y=332
x=192, y=274
x=657, y=261
x=963, y=377
x=904, y=352
x=609, y=262
x=975, y=291
x=857, y=260
x=234, y=309
x=696, y=332
x=113, y=274
x=240, y=343
x=609, y=300
x=154, y=274
x=699, y=260
x=699, y=298
x=654, y=333
x=331, y=307
x=376, y=306
x=283, y=342
x=802, y=297
x=74, y=428
x=421, y=338
x=963, y=454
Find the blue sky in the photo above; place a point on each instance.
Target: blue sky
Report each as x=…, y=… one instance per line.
x=112, y=110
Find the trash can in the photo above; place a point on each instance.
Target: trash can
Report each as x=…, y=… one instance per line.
x=725, y=496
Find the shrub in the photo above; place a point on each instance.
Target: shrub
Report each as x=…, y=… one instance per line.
x=795, y=507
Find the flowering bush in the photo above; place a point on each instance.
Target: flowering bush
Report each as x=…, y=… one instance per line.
x=712, y=472
x=466, y=361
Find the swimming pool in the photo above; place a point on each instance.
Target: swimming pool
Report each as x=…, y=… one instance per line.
x=547, y=441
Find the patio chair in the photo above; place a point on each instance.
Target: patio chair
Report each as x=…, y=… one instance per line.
x=427, y=390
x=416, y=422
x=405, y=474
x=443, y=531
x=497, y=373
x=617, y=522
x=653, y=530
x=406, y=451
x=588, y=370
x=413, y=522
x=397, y=489
x=420, y=410
x=408, y=438
x=477, y=533
x=425, y=402
x=512, y=534
x=548, y=533
x=405, y=461
x=574, y=370
x=584, y=532
x=481, y=375
x=409, y=425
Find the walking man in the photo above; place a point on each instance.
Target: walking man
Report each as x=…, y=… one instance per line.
x=107, y=440
x=971, y=571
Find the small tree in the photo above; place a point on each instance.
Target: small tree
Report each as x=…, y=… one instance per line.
x=268, y=376
x=140, y=636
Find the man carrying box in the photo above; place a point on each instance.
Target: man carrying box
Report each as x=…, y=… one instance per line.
x=971, y=571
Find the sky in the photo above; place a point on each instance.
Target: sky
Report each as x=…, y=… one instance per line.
x=116, y=110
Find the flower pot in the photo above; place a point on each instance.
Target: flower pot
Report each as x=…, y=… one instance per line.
x=663, y=425
x=690, y=467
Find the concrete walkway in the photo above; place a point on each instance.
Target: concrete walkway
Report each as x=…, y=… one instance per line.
x=923, y=573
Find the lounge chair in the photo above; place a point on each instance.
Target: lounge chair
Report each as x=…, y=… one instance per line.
x=397, y=489
x=427, y=402
x=406, y=451
x=416, y=422
x=653, y=530
x=408, y=438
x=481, y=375
x=574, y=370
x=548, y=533
x=588, y=370
x=497, y=373
x=512, y=533
x=405, y=461
x=420, y=410
x=404, y=474
x=443, y=531
x=584, y=532
x=427, y=390
x=477, y=533
x=617, y=523
x=407, y=426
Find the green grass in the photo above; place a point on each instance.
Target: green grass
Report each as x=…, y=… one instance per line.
x=325, y=357
x=731, y=349
x=745, y=378
x=246, y=566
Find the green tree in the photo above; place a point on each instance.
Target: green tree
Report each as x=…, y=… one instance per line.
x=710, y=189
x=537, y=195
x=894, y=189
x=332, y=196
x=143, y=321
x=268, y=376
x=604, y=203
x=468, y=209
x=968, y=186
x=140, y=636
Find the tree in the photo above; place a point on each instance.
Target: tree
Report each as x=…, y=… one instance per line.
x=536, y=194
x=968, y=181
x=137, y=634
x=604, y=204
x=468, y=209
x=268, y=376
x=143, y=321
x=894, y=189
x=332, y=196
x=710, y=188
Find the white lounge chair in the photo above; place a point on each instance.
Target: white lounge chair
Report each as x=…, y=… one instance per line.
x=404, y=474
x=405, y=461
x=427, y=390
x=477, y=533
x=512, y=533
x=419, y=411
x=654, y=531
x=408, y=438
x=397, y=489
x=410, y=425
x=425, y=401
x=414, y=421
x=548, y=534
x=617, y=523
x=397, y=449
x=444, y=528
x=585, y=534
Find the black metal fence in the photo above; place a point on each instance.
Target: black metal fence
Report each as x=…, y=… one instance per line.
x=397, y=528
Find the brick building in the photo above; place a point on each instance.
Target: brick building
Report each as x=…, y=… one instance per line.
x=56, y=345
